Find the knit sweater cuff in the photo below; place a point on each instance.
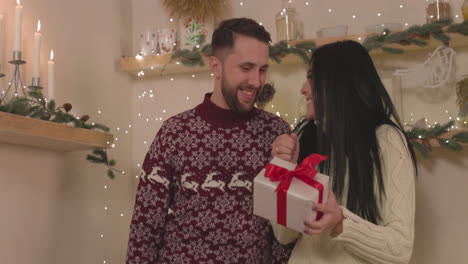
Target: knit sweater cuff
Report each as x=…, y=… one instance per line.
x=355, y=229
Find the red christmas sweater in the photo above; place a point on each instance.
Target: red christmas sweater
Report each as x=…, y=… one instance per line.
x=201, y=166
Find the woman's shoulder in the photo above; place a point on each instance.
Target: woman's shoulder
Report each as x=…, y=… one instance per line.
x=389, y=135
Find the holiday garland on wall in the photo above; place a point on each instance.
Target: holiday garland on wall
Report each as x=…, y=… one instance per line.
x=415, y=35
x=39, y=108
x=420, y=138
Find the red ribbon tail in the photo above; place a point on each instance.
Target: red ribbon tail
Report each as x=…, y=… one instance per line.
x=281, y=211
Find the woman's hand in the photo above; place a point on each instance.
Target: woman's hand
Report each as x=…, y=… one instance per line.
x=286, y=147
x=332, y=217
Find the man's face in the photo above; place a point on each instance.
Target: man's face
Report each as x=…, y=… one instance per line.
x=244, y=73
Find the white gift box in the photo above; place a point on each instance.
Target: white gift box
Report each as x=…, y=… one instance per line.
x=299, y=199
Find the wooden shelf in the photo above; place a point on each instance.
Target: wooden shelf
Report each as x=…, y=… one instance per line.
x=154, y=64
x=20, y=130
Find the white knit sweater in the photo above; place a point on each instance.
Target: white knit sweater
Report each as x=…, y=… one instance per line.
x=391, y=241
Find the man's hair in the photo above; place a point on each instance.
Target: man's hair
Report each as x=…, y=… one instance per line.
x=223, y=36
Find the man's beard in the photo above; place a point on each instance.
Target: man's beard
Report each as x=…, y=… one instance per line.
x=230, y=96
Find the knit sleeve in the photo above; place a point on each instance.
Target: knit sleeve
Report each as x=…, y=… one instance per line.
x=152, y=201
x=285, y=235
x=391, y=241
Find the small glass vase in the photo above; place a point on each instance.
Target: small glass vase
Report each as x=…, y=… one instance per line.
x=192, y=31
x=289, y=26
x=438, y=10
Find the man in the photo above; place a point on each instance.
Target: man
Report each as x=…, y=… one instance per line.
x=202, y=163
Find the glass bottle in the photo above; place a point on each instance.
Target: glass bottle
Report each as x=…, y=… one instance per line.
x=289, y=26
x=465, y=10
x=438, y=10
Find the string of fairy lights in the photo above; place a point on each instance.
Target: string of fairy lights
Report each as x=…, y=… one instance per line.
x=125, y=130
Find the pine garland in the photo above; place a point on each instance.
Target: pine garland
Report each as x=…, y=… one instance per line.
x=302, y=49
x=100, y=156
x=418, y=35
x=420, y=138
x=195, y=57
x=38, y=107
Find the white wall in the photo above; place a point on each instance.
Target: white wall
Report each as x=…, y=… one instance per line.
x=53, y=203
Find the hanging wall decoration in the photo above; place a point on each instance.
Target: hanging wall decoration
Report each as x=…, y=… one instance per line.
x=435, y=71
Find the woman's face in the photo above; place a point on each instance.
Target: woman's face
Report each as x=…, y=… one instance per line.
x=306, y=91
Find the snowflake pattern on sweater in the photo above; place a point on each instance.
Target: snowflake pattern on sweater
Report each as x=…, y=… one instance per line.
x=201, y=165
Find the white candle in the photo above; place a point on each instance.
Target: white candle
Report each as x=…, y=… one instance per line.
x=1, y=47
x=50, y=76
x=37, y=50
x=19, y=15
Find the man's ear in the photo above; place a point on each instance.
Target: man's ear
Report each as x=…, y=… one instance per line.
x=216, y=67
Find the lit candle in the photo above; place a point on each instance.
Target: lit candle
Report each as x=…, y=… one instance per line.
x=37, y=50
x=50, y=78
x=19, y=15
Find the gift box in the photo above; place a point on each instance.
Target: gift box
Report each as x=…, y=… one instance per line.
x=284, y=193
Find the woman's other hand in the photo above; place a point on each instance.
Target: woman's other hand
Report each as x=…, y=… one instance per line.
x=286, y=147
x=332, y=217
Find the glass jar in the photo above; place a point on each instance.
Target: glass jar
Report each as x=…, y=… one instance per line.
x=465, y=10
x=289, y=26
x=438, y=10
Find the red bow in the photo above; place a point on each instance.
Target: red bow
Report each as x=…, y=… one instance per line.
x=305, y=172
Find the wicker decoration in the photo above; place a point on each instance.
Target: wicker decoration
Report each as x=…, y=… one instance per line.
x=197, y=9
x=462, y=97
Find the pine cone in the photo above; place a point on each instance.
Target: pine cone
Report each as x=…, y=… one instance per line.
x=426, y=144
x=67, y=107
x=266, y=94
x=84, y=118
x=405, y=43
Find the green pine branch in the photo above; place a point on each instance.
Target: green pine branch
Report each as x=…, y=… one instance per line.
x=420, y=138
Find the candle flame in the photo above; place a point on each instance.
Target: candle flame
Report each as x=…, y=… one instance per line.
x=39, y=25
x=18, y=2
x=51, y=54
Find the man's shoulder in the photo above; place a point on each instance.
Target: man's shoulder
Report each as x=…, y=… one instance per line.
x=180, y=117
x=272, y=119
x=262, y=114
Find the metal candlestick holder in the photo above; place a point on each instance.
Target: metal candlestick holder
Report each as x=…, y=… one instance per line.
x=35, y=84
x=16, y=82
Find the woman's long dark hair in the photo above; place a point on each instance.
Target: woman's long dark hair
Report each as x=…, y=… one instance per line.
x=350, y=104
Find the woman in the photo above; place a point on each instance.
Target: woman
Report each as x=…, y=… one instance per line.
x=369, y=216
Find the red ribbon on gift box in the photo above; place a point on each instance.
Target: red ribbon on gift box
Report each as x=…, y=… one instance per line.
x=305, y=172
